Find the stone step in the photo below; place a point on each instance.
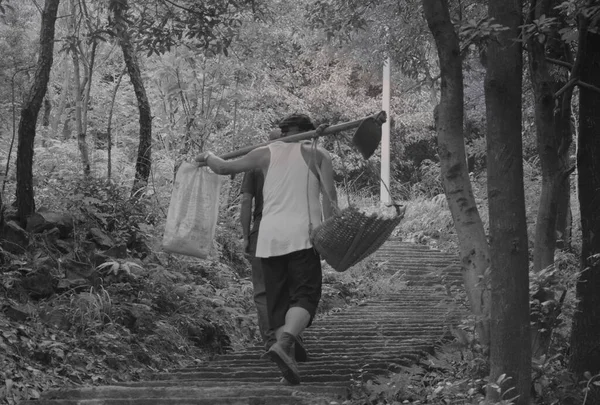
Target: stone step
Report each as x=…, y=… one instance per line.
x=421, y=263
x=424, y=253
x=223, y=400
x=274, y=375
x=373, y=338
x=338, y=364
x=332, y=354
x=337, y=388
x=369, y=334
x=121, y=392
x=411, y=247
x=398, y=258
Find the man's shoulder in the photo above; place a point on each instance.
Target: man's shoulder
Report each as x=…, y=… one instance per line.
x=321, y=151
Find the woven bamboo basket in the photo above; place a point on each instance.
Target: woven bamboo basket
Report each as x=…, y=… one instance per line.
x=351, y=235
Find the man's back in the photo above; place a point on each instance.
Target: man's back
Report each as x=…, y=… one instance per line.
x=292, y=204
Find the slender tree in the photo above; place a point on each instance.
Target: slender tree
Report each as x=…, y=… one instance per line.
x=144, y=155
x=29, y=113
x=109, y=137
x=78, y=90
x=510, y=351
x=451, y=149
x=62, y=103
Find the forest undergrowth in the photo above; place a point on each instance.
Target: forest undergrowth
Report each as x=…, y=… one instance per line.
x=103, y=304
x=106, y=305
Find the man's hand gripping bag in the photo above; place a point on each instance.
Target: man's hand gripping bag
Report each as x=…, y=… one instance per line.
x=193, y=211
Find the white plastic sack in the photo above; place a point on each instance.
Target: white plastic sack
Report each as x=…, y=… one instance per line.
x=193, y=210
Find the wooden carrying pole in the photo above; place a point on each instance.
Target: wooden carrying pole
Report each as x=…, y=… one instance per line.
x=303, y=136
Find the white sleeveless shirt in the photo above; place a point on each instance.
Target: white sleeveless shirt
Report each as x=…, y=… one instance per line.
x=285, y=222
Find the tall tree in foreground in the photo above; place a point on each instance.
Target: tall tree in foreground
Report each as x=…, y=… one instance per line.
x=510, y=351
x=80, y=103
x=29, y=113
x=549, y=58
x=585, y=345
x=455, y=177
x=144, y=156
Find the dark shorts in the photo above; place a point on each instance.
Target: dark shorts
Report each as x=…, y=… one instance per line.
x=292, y=280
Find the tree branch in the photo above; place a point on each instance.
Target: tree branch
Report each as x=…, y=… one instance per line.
x=588, y=86
x=421, y=83
x=569, y=85
x=566, y=173
x=189, y=10
x=581, y=48
x=560, y=63
x=38, y=7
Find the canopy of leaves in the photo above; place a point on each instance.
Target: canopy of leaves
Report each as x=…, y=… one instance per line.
x=208, y=26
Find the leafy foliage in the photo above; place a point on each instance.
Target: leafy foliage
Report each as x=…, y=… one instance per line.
x=5, y=6
x=208, y=26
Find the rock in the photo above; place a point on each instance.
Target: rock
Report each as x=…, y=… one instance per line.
x=13, y=238
x=113, y=362
x=117, y=251
x=55, y=318
x=76, y=273
x=137, y=243
x=138, y=318
x=89, y=248
x=39, y=284
x=65, y=246
x=43, y=220
x=67, y=283
x=100, y=238
x=15, y=314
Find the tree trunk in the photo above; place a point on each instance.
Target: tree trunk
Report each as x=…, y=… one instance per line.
x=89, y=71
x=29, y=114
x=585, y=344
x=144, y=155
x=553, y=130
x=564, y=217
x=88, y=86
x=469, y=227
x=77, y=93
x=109, y=126
x=55, y=120
x=67, y=130
x=47, y=112
x=46, y=119
x=510, y=350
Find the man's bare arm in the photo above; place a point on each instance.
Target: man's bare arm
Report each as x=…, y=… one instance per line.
x=256, y=159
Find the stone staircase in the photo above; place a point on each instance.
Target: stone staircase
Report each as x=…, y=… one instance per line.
x=354, y=344
x=419, y=265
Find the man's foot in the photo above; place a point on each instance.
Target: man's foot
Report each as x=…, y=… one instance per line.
x=280, y=354
x=300, y=352
x=269, y=343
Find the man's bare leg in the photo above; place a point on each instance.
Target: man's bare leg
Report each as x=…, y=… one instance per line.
x=296, y=320
x=282, y=352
